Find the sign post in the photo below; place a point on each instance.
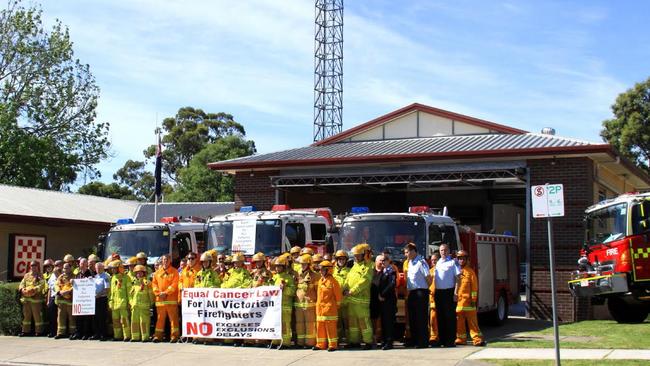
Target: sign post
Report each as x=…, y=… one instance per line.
x=548, y=202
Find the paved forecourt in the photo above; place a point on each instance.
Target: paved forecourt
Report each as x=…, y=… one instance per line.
x=31, y=350
x=565, y=354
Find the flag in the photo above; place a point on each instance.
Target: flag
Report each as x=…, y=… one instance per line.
x=158, y=169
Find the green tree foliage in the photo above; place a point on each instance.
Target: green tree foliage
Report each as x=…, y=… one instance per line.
x=111, y=190
x=197, y=182
x=48, y=133
x=140, y=181
x=189, y=132
x=629, y=130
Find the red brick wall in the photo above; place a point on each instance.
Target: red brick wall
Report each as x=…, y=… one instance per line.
x=576, y=174
x=254, y=190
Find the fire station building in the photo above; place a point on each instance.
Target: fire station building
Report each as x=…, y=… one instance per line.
x=480, y=170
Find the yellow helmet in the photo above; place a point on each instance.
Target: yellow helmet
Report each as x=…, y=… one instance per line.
x=280, y=261
x=228, y=259
x=341, y=254
x=132, y=261
x=115, y=264
x=259, y=257
x=141, y=255
x=206, y=256
x=140, y=268
x=317, y=258
x=365, y=247
x=304, y=259
x=358, y=250
x=307, y=250
x=238, y=257
x=68, y=258
x=462, y=253
x=93, y=258
x=295, y=250
x=325, y=264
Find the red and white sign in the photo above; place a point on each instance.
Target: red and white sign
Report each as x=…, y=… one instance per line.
x=26, y=249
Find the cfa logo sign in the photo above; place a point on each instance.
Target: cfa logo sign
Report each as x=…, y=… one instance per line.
x=611, y=252
x=27, y=248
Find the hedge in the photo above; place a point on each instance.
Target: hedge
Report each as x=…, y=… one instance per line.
x=11, y=314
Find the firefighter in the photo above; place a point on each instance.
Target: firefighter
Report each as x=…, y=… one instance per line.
x=340, y=273
x=357, y=292
x=118, y=301
x=63, y=301
x=32, y=295
x=48, y=268
x=467, y=293
x=316, y=259
x=207, y=277
x=165, y=287
x=305, y=303
x=433, y=319
x=283, y=279
x=261, y=275
x=68, y=258
x=295, y=255
x=238, y=277
x=129, y=268
x=141, y=299
x=327, y=308
x=188, y=274
x=142, y=260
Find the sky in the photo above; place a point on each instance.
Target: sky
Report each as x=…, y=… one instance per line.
x=526, y=64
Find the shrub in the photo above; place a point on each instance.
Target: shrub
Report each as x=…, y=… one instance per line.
x=11, y=314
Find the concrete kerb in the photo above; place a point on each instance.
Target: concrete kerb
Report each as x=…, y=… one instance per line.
x=565, y=354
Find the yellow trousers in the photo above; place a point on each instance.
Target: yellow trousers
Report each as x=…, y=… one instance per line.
x=32, y=310
x=468, y=316
x=306, y=324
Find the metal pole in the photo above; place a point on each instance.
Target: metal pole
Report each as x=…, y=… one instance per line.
x=155, y=209
x=552, y=267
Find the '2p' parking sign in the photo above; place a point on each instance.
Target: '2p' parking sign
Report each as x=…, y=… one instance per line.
x=548, y=200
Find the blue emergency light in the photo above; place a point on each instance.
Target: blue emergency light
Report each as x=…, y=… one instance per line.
x=247, y=209
x=359, y=210
x=124, y=221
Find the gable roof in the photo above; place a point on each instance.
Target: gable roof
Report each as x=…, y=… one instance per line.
x=498, y=128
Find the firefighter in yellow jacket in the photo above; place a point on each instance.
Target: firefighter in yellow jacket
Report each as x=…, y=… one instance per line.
x=165, y=288
x=118, y=301
x=262, y=276
x=305, y=303
x=295, y=258
x=340, y=273
x=467, y=293
x=357, y=292
x=433, y=317
x=283, y=279
x=141, y=299
x=63, y=301
x=32, y=295
x=327, y=309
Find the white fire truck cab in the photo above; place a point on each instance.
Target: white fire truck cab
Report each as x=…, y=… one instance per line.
x=270, y=232
x=493, y=257
x=171, y=235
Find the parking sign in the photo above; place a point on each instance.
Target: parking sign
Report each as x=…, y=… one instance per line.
x=548, y=200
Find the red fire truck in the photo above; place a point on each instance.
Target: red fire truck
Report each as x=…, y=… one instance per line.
x=614, y=262
x=495, y=258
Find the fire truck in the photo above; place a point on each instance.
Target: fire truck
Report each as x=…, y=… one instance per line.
x=495, y=258
x=270, y=232
x=172, y=235
x=614, y=264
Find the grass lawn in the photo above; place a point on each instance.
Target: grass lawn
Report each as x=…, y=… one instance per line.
x=567, y=362
x=603, y=334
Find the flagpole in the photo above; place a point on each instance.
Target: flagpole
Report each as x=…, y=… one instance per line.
x=158, y=177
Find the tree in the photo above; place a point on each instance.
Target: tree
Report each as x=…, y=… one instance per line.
x=189, y=132
x=199, y=183
x=48, y=103
x=629, y=130
x=134, y=176
x=112, y=190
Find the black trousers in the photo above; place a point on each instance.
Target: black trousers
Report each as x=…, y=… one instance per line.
x=52, y=312
x=446, y=313
x=99, y=320
x=388, y=309
x=418, y=307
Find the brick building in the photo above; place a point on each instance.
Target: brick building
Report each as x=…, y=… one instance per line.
x=480, y=170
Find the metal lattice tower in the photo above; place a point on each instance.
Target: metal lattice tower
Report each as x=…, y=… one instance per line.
x=328, y=69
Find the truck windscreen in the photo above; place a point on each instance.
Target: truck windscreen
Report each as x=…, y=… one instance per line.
x=607, y=224
x=268, y=236
x=384, y=235
x=127, y=243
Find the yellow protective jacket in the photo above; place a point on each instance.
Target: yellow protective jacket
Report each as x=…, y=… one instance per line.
x=329, y=298
x=289, y=289
x=120, y=291
x=358, y=283
x=307, y=288
x=207, y=278
x=186, y=278
x=36, y=287
x=467, y=290
x=262, y=277
x=165, y=281
x=340, y=274
x=141, y=294
x=238, y=278
x=63, y=289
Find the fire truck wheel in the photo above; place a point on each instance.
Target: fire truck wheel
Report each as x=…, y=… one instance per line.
x=500, y=314
x=623, y=312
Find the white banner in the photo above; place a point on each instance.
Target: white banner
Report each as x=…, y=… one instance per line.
x=250, y=313
x=243, y=236
x=83, y=296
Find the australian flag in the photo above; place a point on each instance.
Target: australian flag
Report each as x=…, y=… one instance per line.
x=158, y=169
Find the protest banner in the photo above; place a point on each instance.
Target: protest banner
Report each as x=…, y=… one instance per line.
x=250, y=313
x=83, y=296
